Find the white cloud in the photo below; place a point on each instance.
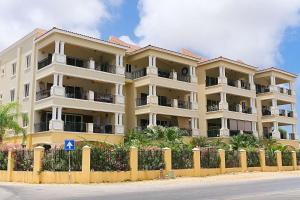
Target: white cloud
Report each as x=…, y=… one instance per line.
x=250, y=30
x=127, y=39
x=18, y=17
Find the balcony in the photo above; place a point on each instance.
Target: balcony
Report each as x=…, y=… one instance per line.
x=141, y=101
x=165, y=101
x=234, y=108
x=282, y=112
x=213, y=133
x=184, y=104
x=267, y=135
x=247, y=110
x=42, y=94
x=266, y=111
x=212, y=108
x=292, y=136
x=106, y=98
x=211, y=81
x=81, y=63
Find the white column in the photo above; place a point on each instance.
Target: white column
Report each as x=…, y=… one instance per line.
x=154, y=119
x=251, y=81
x=55, y=78
x=292, y=87
x=57, y=46
x=252, y=105
x=59, y=114
x=92, y=63
x=223, y=105
x=57, y=89
x=191, y=71
x=276, y=133
x=62, y=48
x=61, y=78
x=150, y=90
x=116, y=89
x=54, y=113
x=119, y=128
x=150, y=119
x=119, y=97
x=224, y=132
x=154, y=90
x=293, y=108
x=152, y=69
x=192, y=123
x=294, y=130
x=192, y=96
x=274, y=108
x=273, y=87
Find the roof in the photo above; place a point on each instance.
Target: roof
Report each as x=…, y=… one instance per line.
x=277, y=70
x=55, y=29
x=151, y=47
x=115, y=40
x=38, y=32
x=228, y=60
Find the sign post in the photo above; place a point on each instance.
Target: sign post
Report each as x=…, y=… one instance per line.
x=69, y=146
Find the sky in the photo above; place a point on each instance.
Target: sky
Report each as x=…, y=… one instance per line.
x=261, y=33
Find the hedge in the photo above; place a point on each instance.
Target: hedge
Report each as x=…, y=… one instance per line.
x=150, y=159
x=23, y=160
x=232, y=159
x=3, y=160
x=182, y=158
x=253, y=159
x=209, y=158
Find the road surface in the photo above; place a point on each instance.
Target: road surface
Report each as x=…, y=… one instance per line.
x=258, y=186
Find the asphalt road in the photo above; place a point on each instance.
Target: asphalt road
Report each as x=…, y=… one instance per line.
x=231, y=187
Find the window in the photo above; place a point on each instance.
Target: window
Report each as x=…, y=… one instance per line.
x=26, y=90
x=14, y=68
x=12, y=95
x=128, y=68
x=24, y=119
x=28, y=61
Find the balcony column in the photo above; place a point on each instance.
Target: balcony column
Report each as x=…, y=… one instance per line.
x=57, y=88
x=292, y=87
x=222, y=77
x=152, y=69
x=152, y=98
x=59, y=53
x=119, y=94
x=154, y=119
x=274, y=108
x=223, y=105
x=293, y=108
x=224, y=132
x=56, y=124
x=252, y=105
x=194, y=126
x=275, y=133
x=193, y=98
x=294, y=131
x=119, y=128
x=91, y=63
x=193, y=76
x=273, y=87
x=251, y=82
x=120, y=69
x=254, y=129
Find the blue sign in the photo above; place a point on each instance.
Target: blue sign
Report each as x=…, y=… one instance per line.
x=69, y=145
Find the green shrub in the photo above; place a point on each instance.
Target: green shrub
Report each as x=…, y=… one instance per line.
x=271, y=158
x=298, y=157
x=3, y=160
x=182, y=158
x=110, y=159
x=287, y=159
x=150, y=159
x=58, y=160
x=200, y=142
x=253, y=158
x=23, y=160
x=232, y=159
x=209, y=158
x=244, y=141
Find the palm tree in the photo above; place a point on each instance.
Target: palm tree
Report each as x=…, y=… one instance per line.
x=8, y=119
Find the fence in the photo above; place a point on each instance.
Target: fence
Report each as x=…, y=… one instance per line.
x=119, y=164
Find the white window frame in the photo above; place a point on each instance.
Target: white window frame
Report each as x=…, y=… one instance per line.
x=13, y=69
x=28, y=61
x=26, y=92
x=14, y=93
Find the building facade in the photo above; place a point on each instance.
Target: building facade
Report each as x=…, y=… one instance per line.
x=72, y=86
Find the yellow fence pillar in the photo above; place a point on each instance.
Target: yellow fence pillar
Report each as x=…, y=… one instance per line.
x=167, y=159
x=197, y=164
x=133, y=157
x=38, y=155
x=294, y=160
x=222, y=160
x=243, y=160
x=279, y=160
x=262, y=159
x=10, y=165
x=86, y=164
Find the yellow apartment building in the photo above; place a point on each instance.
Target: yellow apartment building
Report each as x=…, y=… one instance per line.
x=73, y=86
